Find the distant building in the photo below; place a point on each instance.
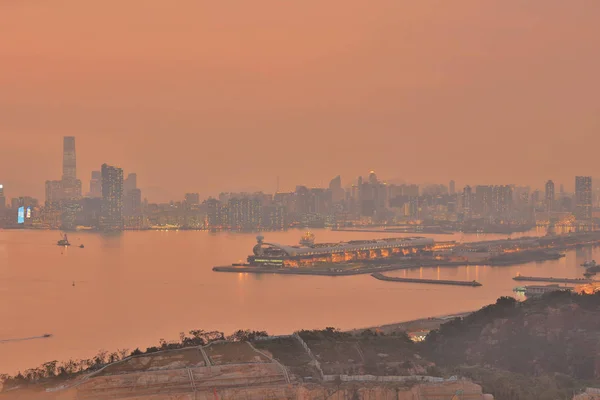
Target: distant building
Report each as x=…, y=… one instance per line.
x=54, y=192
x=132, y=197
x=132, y=203
x=130, y=183
x=96, y=184
x=373, y=178
x=502, y=199
x=583, y=197
x=2, y=198
x=244, y=213
x=452, y=187
x=112, y=198
x=467, y=202
x=549, y=196
x=216, y=214
x=192, y=199
x=69, y=159
x=335, y=187
x=71, y=186
x=483, y=203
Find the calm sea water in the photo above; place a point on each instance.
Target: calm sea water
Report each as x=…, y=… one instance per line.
x=137, y=287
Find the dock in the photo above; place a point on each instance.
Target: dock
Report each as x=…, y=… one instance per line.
x=382, y=277
x=553, y=280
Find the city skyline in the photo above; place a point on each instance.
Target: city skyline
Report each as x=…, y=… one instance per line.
x=268, y=97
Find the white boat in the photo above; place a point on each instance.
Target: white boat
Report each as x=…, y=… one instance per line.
x=589, y=264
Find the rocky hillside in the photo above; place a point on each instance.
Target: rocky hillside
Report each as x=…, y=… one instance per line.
x=548, y=347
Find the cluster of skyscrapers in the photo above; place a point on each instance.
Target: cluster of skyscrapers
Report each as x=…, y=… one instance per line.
x=114, y=202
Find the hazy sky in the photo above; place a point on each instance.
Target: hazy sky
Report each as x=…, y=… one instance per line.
x=222, y=95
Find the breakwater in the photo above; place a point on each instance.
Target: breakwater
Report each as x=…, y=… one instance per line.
x=382, y=277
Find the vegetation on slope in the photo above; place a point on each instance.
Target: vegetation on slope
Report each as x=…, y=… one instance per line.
x=548, y=346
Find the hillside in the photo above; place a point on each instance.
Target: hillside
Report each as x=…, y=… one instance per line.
x=544, y=348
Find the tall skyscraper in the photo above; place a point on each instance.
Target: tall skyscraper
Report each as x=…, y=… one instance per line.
x=452, y=187
x=112, y=198
x=549, y=196
x=69, y=159
x=71, y=186
x=583, y=197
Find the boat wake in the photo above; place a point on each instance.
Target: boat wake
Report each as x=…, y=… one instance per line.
x=45, y=336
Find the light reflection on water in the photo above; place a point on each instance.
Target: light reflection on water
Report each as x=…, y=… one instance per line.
x=137, y=287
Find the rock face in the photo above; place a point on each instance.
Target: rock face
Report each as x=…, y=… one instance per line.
x=347, y=391
x=428, y=391
x=589, y=394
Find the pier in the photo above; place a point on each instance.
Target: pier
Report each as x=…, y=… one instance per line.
x=553, y=280
x=382, y=277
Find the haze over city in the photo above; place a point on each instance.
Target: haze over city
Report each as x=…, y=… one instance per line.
x=211, y=96
x=299, y=199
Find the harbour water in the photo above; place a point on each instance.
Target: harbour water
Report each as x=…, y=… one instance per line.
x=131, y=289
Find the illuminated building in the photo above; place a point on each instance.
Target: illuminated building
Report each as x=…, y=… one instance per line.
x=274, y=217
x=216, y=214
x=273, y=254
x=583, y=197
x=483, y=199
x=467, y=202
x=2, y=198
x=112, y=198
x=244, y=213
x=549, y=196
x=502, y=199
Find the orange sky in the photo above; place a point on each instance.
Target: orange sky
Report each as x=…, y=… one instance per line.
x=210, y=96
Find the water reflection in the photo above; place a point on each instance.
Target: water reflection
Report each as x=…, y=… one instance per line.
x=136, y=287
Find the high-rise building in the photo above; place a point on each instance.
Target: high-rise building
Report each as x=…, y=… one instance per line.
x=192, y=199
x=335, y=187
x=483, y=203
x=130, y=183
x=112, y=198
x=71, y=186
x=452, y=187
x=132, y=203
x=96, y=184
x=373, y=178
x=2, y=198
x=244, y=213
x=549, y=196
x=54, y=192
x=467, y=202
x=583, y=197
x=502, y=199
x=69, y=159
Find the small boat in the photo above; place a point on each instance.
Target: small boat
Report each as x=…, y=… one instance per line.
x=589, y=274
x=64, y=241
x=589, y=264
x=47, y=335
x=81, y=246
